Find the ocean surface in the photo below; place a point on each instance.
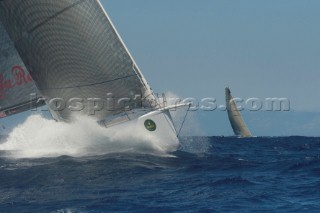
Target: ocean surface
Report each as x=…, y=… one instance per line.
x=206, y=174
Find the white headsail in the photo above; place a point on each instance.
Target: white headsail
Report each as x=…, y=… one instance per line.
x=238, y=125
x=73, y=52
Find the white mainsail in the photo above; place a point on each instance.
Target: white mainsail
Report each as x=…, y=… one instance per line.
x=238, y=125
x=72, y=50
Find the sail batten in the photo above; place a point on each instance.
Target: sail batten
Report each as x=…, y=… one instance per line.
x=72, y=50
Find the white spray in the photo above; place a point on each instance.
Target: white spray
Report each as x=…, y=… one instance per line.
x=40, y=137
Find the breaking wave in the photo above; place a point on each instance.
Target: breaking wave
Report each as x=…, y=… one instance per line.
x=39, y=137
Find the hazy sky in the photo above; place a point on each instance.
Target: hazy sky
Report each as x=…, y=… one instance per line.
x=195, y=48
x=263, y=49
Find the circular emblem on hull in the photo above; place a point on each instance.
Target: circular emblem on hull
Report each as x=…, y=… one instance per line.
x=150, y=125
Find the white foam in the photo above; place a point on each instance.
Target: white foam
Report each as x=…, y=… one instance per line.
x=39, y=137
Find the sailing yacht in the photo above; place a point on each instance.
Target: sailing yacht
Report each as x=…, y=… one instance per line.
x=237, y=123
x=67, y=54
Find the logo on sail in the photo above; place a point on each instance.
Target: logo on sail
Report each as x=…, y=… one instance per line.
x=19, y=77
x=150, y=125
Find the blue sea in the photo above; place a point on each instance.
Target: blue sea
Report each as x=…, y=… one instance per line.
x=206, y=174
